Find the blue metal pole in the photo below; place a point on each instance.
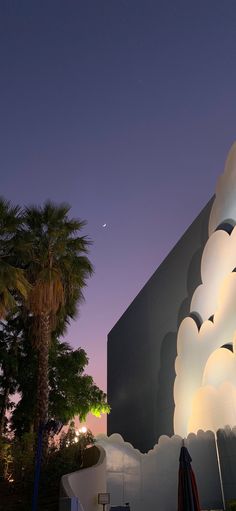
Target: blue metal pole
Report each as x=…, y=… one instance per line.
x=37, y=467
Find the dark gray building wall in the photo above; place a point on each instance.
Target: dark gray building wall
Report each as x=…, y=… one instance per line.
x=142, y=344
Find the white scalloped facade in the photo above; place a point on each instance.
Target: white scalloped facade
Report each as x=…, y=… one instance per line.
x=205, y=384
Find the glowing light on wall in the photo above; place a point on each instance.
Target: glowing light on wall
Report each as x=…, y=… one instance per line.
x=205, y=384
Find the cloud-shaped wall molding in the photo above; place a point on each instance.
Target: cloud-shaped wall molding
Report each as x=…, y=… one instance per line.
x=194, y=348
x=205, y=384
x=224, y=206
x=218, y=260
x=213, y=407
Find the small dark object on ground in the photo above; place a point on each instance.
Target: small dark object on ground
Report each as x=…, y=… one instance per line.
x=121, y=508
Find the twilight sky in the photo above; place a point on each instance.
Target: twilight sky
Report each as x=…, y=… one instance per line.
x=125, y=109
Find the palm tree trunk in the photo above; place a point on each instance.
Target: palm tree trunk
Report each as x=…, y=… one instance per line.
x=42, y=378
x=4, y=409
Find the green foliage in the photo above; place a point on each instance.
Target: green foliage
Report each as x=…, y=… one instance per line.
x=72, y=392
x=22, y=451
x=43, y=270
x=17, y=458
x=78, y=438
x=56, y=254
x=16, y=464
x=231, y=505
x=71, y=447
x=17, y=364
x=13, y=282
x=57, y=267
x=6, y=458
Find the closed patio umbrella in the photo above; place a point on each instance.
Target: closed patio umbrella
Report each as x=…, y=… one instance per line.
x=188, y=499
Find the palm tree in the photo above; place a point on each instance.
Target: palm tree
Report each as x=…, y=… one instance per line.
x=57, y=268
x=12, y=279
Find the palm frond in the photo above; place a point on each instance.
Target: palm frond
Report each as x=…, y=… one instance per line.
x=57, y=265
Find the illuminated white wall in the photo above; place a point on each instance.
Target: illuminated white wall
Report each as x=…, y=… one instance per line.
x=150, y=481
x=147, y=481
x=224, y=207
x=205, y=384
x=85, y=485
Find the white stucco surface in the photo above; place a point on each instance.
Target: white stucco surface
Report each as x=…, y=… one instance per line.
x=150, y=481
x=147, y=481
x=86, y=484
x=205, y=384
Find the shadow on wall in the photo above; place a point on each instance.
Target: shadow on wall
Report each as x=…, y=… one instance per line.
x=194, y=271
x=193, y=281
x=164, y=409
x=226, y=440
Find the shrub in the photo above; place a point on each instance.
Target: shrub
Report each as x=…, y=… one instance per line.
x=231, y=505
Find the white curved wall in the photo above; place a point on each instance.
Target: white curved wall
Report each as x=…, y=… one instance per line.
x=150, y=481
x=86, y=484
x=147, y=481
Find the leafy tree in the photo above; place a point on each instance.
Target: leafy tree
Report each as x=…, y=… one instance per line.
x=6, y=458
x=15, y=349
x=71, y=393
x=8, y=371
x=82, y=440
x=57, y=268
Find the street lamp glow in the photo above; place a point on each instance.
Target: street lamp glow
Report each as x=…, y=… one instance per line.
x=83, y=429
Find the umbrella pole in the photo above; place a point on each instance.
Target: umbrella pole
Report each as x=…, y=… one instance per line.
x=220, y=473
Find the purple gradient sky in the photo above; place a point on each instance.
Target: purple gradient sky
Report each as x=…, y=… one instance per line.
x=125, y=109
